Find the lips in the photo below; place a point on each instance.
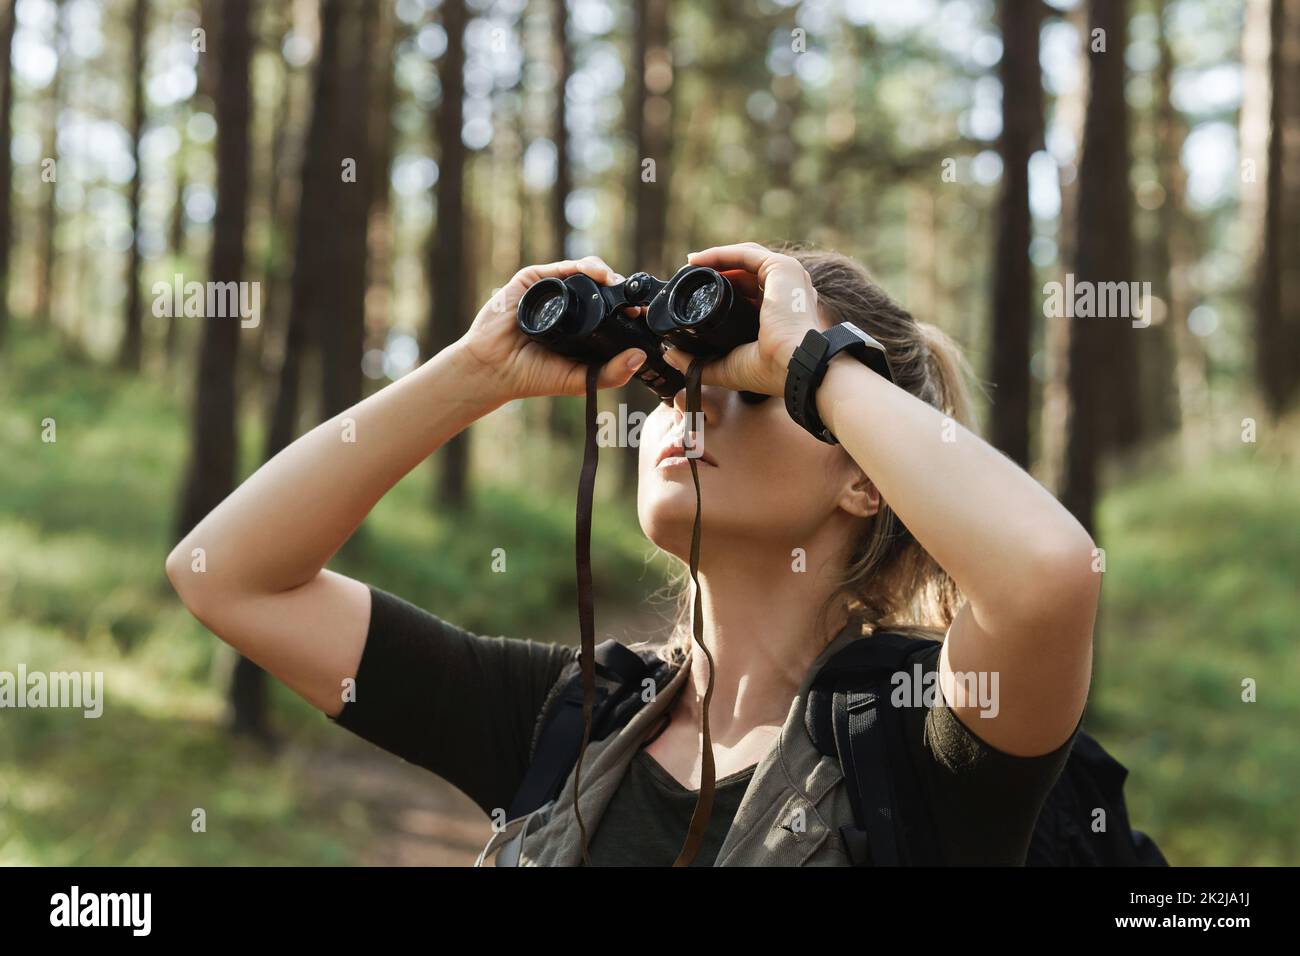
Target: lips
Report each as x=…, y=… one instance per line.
x=678, y=451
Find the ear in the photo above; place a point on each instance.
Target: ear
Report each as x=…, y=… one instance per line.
x=860, y=497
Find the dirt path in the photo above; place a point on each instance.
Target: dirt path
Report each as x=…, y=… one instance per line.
x=419, y=819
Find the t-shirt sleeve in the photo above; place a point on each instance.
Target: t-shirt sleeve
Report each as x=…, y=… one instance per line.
x=985, y=802
x=458, y=704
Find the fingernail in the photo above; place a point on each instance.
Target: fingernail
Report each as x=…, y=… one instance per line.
x=617, y=277
x=635, y=359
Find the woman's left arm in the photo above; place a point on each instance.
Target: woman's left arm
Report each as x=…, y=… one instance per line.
x=1022, y=561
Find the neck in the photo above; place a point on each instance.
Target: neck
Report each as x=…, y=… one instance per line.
x=760, y=626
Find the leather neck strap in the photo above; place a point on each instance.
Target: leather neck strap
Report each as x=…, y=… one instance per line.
x=704, y=802
x=586, y=615
x=586, y=610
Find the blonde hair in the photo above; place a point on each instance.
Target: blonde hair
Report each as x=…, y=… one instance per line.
x=889, y=581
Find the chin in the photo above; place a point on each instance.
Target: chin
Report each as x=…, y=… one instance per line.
x=668, y=518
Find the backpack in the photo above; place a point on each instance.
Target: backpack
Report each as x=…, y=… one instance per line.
x=845, y=719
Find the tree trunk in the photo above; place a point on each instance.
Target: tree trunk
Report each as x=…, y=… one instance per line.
x=650, y=113
x=1070, y=108
x=132, y=346
x=280, y=200
x=1177, y=394
x=313, y=228
x=343, y=316
x=1120, y=417
x=213, y=459
x=1157, y=357
x=8, y=21
x=1277, y=309
x=176, y=242
x=1104, y=254
x=389, y=34
x=530, y=244
x=1012, y=325
x=50, y=214
x=447, y=260
x=563, y=425
x=560, y=129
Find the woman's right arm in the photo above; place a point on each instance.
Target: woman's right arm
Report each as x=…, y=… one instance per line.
x=253, y=570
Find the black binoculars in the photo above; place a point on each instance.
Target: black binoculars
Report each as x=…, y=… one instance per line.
x=697, y=310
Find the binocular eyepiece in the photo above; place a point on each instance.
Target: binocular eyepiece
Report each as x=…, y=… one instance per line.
x=697, y=310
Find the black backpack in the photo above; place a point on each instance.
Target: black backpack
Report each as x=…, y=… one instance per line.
x=845, y=721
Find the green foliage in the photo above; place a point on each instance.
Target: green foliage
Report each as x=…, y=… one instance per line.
x=85, y=525
x=1200, y=595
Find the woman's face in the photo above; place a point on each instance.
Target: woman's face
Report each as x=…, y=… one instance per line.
x=763, y=479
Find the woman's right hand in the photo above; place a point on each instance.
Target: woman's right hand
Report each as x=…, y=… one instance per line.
x=516, y=366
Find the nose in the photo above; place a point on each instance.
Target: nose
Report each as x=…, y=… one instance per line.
x=710, y=403
x=692, y=429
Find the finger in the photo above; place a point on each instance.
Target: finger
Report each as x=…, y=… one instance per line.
x=593, y=266
x=620, y=369
x=785, y=284
x=746, y=283
x=616, y=372
x=546, y=270
x=717, y=372
x=766, y=265
x=528, y=276
x=599, y=269
x=748, y=256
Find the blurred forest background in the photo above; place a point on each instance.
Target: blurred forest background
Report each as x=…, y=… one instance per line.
x=379, y=168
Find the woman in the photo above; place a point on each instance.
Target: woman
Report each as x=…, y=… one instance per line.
x=802, y=541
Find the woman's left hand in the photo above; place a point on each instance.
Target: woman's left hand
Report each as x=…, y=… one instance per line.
x=788, y=310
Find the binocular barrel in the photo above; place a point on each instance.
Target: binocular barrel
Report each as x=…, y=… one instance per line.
x=697, y=310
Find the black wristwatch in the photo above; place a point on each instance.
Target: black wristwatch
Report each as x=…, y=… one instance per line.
x=808, y=367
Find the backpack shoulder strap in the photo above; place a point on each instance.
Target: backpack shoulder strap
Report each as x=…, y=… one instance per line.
x=848, y=716
x=860, y=741
x=557, y=738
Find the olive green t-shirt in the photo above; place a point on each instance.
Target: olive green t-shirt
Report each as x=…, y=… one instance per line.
x=465, y=706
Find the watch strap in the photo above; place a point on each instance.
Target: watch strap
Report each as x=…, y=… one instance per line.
x=808, y=366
